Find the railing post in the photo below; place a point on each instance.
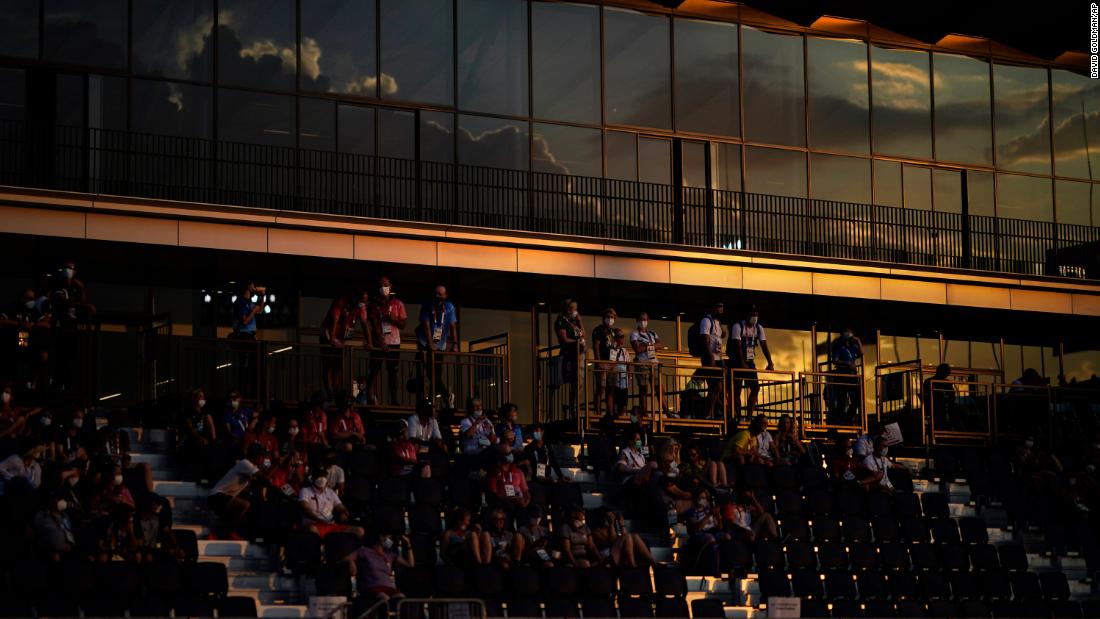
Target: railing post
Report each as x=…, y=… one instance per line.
x=965, y=228
x=742, y=223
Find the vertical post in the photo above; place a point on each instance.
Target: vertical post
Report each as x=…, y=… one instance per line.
x=965, y=200
x=677, y=191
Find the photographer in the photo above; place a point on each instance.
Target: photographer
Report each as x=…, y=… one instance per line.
x=245, y=311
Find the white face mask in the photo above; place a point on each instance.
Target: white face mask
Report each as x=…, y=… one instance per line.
x=267, y=463
x=476, y=413
x=78, y=423
x=384, y=291
x=271, y=429
x=68, y=273
x=6, y=397
x=46, y=421
x=202, y=403
x=578, y=524
x=573, y=314
x=848, y=452
x=29, y=304
x=609, y=321
x=633, y=418
x=320, y=482
x=643, y=324
x=292, y=431
x=117, y=480
x=536, y=435
x=387, y=543
x=847, y=334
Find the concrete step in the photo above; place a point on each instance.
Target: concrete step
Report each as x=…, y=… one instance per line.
x=180, y=489
x=232, y=548
x=592, y=500
x=580, y=475
x=281, y=611
x=263, y=580
x=266, y=597
x=958, y=510
x=153, y=459
x=245, y=564
x=201, y=531
x=662, y=553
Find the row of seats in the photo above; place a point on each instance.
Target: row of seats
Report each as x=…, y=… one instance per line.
x=885, y=529
x=835, y=556
x=926, y=586
x=943, y=609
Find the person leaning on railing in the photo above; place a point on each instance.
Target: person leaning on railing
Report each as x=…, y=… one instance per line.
x=437, y=331
x=570, y=332
x=645, y=343
x=387, y=317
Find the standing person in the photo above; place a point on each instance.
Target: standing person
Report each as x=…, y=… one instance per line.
x=69, y=307
x=710, y=335
x=645, y=343
x=387, y=318
x=334, y=328
x=437, y=332
x=570, y=332
x=605, y=342
x=27, y=329
x=744, y=338
x=846, y=353
x=247, y=306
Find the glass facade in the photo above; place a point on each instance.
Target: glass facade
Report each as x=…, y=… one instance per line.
x=572, y=88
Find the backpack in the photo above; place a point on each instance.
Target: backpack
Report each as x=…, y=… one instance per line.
x=697, y=346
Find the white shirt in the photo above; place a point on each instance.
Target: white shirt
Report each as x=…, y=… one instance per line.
x=753, y=333
x=633, y=460
x=423, y=431
x=877, y=464
x=323, y=502
x=712, y=327
x=236, y=480
x=335, y=476
x=480, y=438
x=650, y=340
x=863, y=447
x=764, y=444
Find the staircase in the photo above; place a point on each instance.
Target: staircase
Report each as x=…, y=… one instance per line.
x=255, y=569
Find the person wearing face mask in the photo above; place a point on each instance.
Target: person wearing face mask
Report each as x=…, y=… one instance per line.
x=645, y=344
x=509, y=415
x=248, y=305
x=292, y=438
x=403, y=454
x=537, y=551
x=437, y=332
x=112, y=493
x=842, y=393
x=846, y=467
x=506, y=487
x=575, y=540
x=54, y=537
x=540, y=459
x=373, y=566
x=16, y=422
x=504, y=546
x=745, y=337
x=322, y=510
x=348, y=431
x=26, y=327
x=632, y=466
x=476, y=430
x=705, y=342
x=239, y=418
x=263, y=434
x=617, y=546
x=424, y=429
x=605, y=341
x=334, y=328
x=877, y=467
x=704, y=525
x=571, y=343
x=22, y=469
x=230, y=499
x=199, y=436
x=388, y=317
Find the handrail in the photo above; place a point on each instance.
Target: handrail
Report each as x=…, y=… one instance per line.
x=137, y=164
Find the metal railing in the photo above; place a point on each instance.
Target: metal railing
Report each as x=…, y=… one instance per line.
x=833, y=400
x=284, y=178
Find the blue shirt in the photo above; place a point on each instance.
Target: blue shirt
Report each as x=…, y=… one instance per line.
x=439, y=324
x=237, y=420
x=503, y=427
x=846, y=351
x=242, y=307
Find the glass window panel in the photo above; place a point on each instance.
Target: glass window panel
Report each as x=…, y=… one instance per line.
x=775, y=172
x=437, y=136
x=492, y=142
x=1076, y=97
x=1024, y=197
x=775, y=98
x=338, y=48
x=979, y=188
x=964, y=129
x=622, y=155
x=19, y=29
x=396, y=134
x=69, y=108
x=256, y=43
x=316, y=124
x=843, y=179
x=1078, y=203
x=107, y=102
x=706, y=77
x=86, y=32
x=693, y=164
x=888, y=183
x=902, y=95
x=917, y=184
x=947, y=191
x=169, y=108
x=418, y=50
x=492, y=56
x=13, y=95
x=1023, y=138
x=655, y=160
x=355, y=129
x=637, y=79
x=565, y=61
x=566, y=150
x=727, y=166
x=255, y=118
x=839, y=106
x=172, y=38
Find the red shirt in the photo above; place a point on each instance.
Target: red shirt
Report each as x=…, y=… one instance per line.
x=315, y=427
x=266, y=440
x=349, y=424
x=404, y=457
x=501, y=478
x=846, y=469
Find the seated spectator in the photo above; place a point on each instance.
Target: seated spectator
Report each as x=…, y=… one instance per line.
x=704, y=524
x=460, y=544
x=54, y=536
x=72, y=441
x=322, y=511
x=226, y=500
x=665, y=479
x=476, y=431
x=575, y=541
x=865, y=443
x=616, y=545
x=405, y=459
x=238, y=418
x=743, y=445
x=424, y=428
x=507, y=486
x=372, y=565
x=334, y=472
x=292, y=439
x=788, y=448
x=347, y=431
x=292, y=473
x=877, y=468
x=15, y=421
x=632, y=465
x=119, y=542
x=22, y=469
x=154, y=538
x=747, y=518
x=536, y=540
x=766, y=452
x=846, y=467
x=538, y=460
x=697, y=465
x=263, y=434
x=509, y=414
x=505, y=547
x=112, y=493
x=315, y=430
x=199, y=434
